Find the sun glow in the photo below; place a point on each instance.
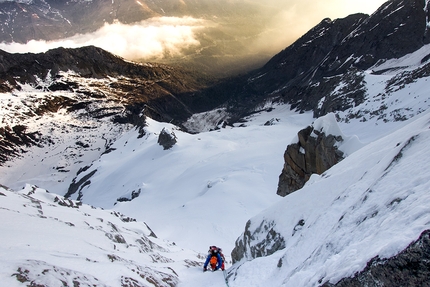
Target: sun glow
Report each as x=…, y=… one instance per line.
x=292, y=19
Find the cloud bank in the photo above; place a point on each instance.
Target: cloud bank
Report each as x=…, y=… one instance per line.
x=155, y=38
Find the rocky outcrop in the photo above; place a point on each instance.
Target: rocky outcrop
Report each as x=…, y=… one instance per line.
x=248, y=245
x=167, y=139
x=315, y=152
x=409, y=268
x=13, y=141
x=78, y=184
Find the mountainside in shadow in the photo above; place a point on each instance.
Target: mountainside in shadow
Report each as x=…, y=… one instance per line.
x=323, y=70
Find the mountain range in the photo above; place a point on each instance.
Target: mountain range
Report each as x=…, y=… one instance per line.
x=199, y=160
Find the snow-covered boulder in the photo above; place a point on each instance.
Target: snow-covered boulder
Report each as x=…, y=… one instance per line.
x=317, y=148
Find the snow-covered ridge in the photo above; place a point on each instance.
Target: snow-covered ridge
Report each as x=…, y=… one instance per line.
x=373, y=203
x=48, y=240
x=395, y=91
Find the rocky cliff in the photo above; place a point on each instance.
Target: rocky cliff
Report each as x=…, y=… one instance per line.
x=314, y=153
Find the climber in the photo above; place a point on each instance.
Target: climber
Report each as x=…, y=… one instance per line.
x=215, y=259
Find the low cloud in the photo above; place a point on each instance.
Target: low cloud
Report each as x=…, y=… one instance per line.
x=153, y=39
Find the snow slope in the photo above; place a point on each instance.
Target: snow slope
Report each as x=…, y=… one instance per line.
x=199, y=193
x=397, y=90
x=203, y=190
x=373, y=203
x=56, y=242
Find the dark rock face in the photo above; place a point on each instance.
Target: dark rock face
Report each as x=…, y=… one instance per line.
x=77, y=186
x=167, y=139
x=134, y=194
x=12, y=139
x=409, y=268
x=315, y=152
x=244, y=245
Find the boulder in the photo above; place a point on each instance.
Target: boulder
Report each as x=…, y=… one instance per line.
x=167, y=139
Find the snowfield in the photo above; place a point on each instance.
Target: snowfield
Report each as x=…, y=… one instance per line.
x=202, y=190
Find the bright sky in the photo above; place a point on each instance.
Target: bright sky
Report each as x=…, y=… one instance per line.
x=296, y=17
x=328, y=8
x=347, y=7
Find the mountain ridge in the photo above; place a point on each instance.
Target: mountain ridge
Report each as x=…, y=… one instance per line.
x=381, y=202
x=333, y=53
